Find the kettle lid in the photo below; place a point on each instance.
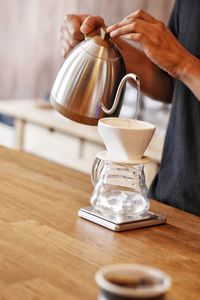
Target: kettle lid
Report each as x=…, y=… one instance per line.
x=101, y=46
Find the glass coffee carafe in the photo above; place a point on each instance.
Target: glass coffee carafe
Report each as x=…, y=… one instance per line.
x=119, y=188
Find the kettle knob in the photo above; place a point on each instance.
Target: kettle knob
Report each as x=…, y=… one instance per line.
x=101, y=32
x=104, y=34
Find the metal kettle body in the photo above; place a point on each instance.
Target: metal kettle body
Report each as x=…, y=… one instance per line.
x=88, y=81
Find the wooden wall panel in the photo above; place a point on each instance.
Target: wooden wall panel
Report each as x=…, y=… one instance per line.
x=29, y=33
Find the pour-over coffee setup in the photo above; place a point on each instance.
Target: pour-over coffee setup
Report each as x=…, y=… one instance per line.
x=119, y=200
x=89, y=89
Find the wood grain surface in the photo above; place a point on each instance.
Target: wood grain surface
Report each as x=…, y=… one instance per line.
x=48, y=252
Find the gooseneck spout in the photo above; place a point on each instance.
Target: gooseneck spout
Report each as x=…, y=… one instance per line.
x=118, y=94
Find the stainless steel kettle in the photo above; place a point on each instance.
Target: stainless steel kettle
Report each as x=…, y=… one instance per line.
x=89, y=85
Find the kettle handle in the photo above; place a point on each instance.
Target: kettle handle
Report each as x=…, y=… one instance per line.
x=119, y=90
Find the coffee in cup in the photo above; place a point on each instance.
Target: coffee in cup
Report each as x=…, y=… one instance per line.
x=131, y=281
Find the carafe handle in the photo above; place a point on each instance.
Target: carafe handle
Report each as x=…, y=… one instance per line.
x=136, y=79
x=96, y=170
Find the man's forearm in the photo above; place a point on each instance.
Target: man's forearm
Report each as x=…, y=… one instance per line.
x=155, y=83
x=190, y=74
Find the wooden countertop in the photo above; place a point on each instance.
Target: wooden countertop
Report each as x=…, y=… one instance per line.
x=48, y=252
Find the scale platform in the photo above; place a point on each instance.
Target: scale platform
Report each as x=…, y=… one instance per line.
x=121, y=223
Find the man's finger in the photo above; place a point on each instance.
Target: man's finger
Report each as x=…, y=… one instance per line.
x=91, y=23
x=63, y=32
x=65, y=49
x=141, y=14
x=73, y=23
x=117, y=25
x=139, y=26
x=67, y=36
x=137, y=15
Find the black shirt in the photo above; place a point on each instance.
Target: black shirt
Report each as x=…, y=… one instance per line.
x=178, y=180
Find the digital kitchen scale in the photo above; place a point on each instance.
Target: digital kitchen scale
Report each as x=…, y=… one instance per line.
x=121, y=223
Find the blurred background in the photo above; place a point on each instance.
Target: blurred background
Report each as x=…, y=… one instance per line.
x=30, y=59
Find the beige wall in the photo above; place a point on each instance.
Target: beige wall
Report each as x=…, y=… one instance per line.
x=29, y=31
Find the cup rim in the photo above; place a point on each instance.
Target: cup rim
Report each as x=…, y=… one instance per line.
x=104, y=122
x=127, y=291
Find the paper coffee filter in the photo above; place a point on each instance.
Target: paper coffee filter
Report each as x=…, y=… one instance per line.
x=126, y=123
x=125, y=139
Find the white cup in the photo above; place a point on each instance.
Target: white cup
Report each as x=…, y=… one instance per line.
x=132, y=281
x=125, y=139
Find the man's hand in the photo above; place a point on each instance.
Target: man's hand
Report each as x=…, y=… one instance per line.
x=74, y=28
x=156, y=40
x=154, y=82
